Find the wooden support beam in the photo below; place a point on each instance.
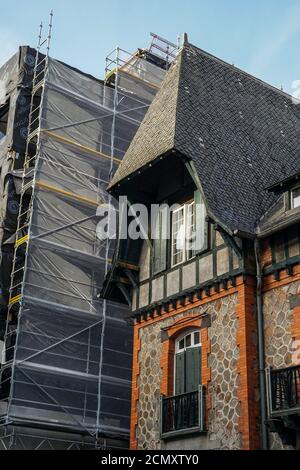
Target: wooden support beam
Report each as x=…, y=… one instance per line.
x=60, y=138
x=132, y=267
x=124, y=292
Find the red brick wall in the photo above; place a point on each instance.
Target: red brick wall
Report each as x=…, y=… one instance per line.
x=266, y=253
x=247, y=365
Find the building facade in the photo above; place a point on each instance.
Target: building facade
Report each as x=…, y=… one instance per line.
x=216, y=325
x=65, y=354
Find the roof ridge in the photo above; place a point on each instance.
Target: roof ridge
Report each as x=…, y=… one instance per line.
x=243, y=72
x=179, y=58
x=239, y=138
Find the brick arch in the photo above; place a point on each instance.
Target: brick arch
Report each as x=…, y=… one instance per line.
x=183, y=324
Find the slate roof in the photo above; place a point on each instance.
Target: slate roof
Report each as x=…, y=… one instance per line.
x=241, y=133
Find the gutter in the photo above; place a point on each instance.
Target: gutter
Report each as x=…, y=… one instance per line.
x=261, y=349
x=280, y=226
x=242, y=234
x=260, y=339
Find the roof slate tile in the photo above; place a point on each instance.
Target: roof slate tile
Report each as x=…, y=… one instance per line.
x=241, y=133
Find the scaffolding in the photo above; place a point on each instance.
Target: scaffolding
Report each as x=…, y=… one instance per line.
x=66, y=362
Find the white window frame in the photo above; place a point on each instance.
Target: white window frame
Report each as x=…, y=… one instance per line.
x=297, y=188
x=183, y=336
x=186, y=256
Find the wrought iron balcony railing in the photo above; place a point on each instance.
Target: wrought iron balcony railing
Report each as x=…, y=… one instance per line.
x=283, y=391
x=182, y=413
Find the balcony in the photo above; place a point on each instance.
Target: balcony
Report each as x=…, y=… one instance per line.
x=182, y=414
x=283, y=391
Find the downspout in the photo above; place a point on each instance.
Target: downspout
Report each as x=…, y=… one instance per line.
x=261, y=348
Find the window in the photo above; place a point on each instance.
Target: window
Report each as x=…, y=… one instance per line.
x=295, y=198
x=189, y=233
x=187, y=363
x=160, y=242
x=178, y=236
x=183, y=233
x=4, y=109
x=184, y=410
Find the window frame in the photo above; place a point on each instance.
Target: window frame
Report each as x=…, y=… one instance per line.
x=187, y=228
x=183, y=336
x=292, y=191
x=191, y=250
x=179, y=338
x=4, y=118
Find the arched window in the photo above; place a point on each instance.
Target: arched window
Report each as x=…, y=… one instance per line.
x=187, y=363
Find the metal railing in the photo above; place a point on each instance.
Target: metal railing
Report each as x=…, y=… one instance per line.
x=182, y=413
x=283, y=390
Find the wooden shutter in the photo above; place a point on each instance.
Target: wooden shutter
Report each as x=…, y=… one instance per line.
x=160, y=243
x=179, y=373
x=201, y=225
x=193, y=369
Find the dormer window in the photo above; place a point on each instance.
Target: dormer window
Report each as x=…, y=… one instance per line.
x=188, y=234
x=295, y=198
x=183, y=233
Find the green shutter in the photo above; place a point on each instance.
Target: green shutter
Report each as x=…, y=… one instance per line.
x=193, y=369
x=200, y=222
x=160, y=243
x=179, y=373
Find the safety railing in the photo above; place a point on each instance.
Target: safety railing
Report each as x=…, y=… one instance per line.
x=182, y=413
x=283, y=390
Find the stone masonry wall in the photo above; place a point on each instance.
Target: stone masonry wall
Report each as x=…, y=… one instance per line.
x=278, y=317
x=224, y=414
x=278, y=324
x=224, y=407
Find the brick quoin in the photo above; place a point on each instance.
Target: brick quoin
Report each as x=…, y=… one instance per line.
x=295, y=332
x=247, y=365
x=135, y=389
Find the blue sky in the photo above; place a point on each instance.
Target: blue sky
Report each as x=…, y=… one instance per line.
x=259, y=36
